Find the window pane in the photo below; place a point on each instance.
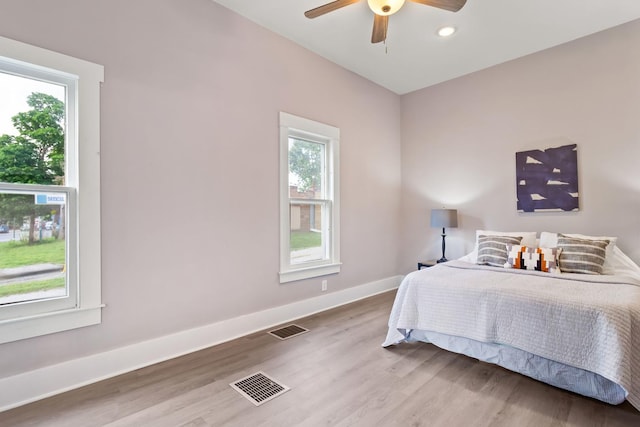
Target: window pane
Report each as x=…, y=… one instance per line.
x=32, y=246
x=32, y=131
x=306, y=169
x=307, y=242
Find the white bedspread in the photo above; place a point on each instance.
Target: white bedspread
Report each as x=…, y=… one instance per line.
x=592, y=323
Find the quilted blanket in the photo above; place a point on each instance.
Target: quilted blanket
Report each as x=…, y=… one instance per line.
x=588, y=322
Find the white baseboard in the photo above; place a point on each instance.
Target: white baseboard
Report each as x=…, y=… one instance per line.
x=38, y=384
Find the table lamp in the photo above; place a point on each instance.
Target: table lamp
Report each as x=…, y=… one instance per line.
x=444, y=218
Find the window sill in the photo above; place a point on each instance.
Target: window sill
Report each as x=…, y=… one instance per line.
x=309, y=272
x=49, y=323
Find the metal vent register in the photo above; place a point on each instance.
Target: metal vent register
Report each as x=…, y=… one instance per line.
x=288, y=332
x=258, y=388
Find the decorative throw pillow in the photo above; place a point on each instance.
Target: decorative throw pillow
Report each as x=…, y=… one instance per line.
x=582, y=255
x=550, y=240
x=527, y=258
x=528, y=239
x=492, y=250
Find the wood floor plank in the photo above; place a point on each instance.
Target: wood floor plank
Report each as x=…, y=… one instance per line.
x=339, y=375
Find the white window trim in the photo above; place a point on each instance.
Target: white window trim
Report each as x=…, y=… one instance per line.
x=88, y=310
x=331, y=135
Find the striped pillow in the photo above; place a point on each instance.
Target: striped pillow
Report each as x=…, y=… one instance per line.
x=581, y=255
x=492, y=250
x=539, y=259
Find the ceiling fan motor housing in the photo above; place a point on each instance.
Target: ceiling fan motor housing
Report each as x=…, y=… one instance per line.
x=385, y=7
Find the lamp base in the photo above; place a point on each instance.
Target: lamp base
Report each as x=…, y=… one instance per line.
x=443, y=259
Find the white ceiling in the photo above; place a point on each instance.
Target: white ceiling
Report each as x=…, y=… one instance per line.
x=489, y=32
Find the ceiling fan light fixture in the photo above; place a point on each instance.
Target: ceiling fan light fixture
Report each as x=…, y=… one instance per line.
x=385, y=7
x=446, y=31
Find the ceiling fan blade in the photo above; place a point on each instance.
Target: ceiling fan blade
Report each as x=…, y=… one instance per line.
x=380, y=24
x=329, y=7
x=451, y=5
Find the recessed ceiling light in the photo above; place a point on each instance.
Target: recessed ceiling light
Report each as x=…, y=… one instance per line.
x=446, y=31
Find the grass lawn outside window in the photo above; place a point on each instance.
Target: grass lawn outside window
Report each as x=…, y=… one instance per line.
x=305, y=239
x=16, y=254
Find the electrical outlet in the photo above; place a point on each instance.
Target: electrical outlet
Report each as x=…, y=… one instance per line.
x=324, y=285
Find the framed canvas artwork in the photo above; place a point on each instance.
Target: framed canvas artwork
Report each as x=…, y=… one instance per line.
x=547, y=180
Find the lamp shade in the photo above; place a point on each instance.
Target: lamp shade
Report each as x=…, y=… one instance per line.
x=385, y=7
x=444, y=218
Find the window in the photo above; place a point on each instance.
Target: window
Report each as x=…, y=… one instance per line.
x=49, y=192
x=309, y=199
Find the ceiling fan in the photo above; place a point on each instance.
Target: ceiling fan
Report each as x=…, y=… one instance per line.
x=382, y=9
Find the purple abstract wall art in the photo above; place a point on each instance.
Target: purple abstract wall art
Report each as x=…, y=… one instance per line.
x=547, y=180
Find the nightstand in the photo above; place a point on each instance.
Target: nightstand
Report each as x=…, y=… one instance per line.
x=426, y=264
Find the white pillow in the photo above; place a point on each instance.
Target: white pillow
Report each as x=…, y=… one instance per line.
x=550, y=240
x=528, y=239
x=620, y=264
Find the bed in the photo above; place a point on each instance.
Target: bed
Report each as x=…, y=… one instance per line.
x=576, y=331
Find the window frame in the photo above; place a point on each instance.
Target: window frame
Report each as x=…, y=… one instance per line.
x=312, y=131
x=82, y=151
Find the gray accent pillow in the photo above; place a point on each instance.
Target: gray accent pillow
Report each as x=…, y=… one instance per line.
x=492, y=250
x=581, y=255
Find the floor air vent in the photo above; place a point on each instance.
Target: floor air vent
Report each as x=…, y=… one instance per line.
x=288, y=332
x=259, y=388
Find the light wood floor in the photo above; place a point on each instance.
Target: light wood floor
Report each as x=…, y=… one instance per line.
x=338, y=374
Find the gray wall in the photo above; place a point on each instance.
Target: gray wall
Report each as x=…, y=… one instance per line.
x=190, y=199
x=459, y=140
